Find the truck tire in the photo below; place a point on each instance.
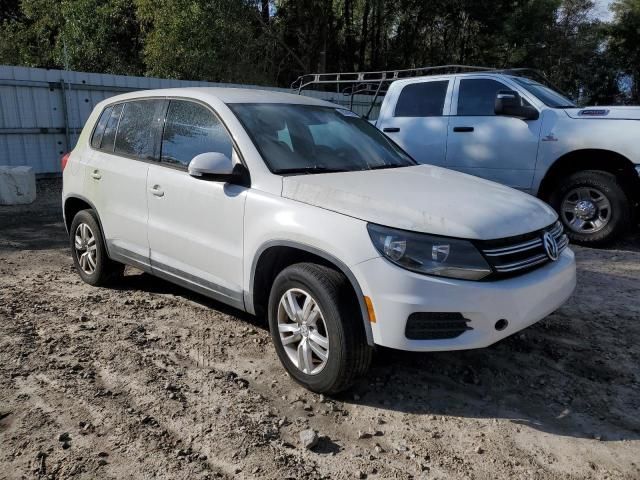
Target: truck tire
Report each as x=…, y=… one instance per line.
x=89, y=253
x=317, y=329
x=593, y=207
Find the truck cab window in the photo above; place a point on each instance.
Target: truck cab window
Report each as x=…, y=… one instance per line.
x=424, y=99
x=476, y=96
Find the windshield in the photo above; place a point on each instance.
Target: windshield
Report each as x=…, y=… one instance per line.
x=296, y=139
x=550, y=97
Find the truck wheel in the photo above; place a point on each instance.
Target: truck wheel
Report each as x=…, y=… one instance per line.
x=317, y=329
x=593, y=207
x=89, y=253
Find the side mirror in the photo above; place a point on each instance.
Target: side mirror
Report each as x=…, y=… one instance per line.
x=215, y=165
x=509, y=103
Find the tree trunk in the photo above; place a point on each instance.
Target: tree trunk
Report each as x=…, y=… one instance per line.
x=376, y=38
x=348, y=36
x=364, y=36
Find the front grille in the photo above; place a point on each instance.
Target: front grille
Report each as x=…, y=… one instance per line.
x=515, y=255
x=435, y=325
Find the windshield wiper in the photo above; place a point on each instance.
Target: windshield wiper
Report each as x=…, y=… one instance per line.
x=316, y=169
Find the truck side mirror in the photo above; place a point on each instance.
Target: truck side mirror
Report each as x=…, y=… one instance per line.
x=509, y=103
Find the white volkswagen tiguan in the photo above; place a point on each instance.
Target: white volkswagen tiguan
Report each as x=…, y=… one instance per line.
x=296, y=209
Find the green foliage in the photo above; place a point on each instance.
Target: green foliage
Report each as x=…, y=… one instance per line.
x=30, y=39
x=201, y=39
x=274, y=41
x=99, y=36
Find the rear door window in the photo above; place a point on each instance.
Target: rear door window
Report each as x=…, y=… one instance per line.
x=477, y=96
x=192, y=129
x=138, y=129
x=424, y=99
x=109, y=136
x=96, y=139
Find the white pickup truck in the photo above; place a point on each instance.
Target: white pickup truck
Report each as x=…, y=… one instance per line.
x=510, y=129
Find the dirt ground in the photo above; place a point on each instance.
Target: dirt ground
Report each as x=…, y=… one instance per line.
x=148, y=380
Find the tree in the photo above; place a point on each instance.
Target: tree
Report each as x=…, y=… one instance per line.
x=30, y=38
x=274, y=41
x=625, y=44
x=202, y=40
x=100, y=36
x=10, y=10
x=86, y=35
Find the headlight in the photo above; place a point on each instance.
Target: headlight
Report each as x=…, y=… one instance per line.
x=429, y=254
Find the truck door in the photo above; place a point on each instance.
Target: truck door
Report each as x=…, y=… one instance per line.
x=498, y=148
x=416, y=118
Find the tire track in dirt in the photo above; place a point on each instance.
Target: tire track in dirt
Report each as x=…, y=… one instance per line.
x=163, y=376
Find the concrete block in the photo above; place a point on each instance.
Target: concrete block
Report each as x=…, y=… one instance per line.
x=17, y=185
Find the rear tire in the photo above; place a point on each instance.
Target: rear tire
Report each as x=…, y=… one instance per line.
x=593, y=207
x=332, y=318
x=89, y=253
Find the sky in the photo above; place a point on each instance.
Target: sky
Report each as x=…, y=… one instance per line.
x=602, y=9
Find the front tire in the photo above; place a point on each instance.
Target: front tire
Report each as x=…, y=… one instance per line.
x=593, y=207
x=316, y=327
x=89, y=253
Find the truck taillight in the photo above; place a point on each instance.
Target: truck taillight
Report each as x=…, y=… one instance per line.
x=64, y=160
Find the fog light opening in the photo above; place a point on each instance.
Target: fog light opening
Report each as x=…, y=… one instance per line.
x=501, y=324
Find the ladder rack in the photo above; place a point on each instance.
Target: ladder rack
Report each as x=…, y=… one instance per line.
x=366, y=83
x=376, y=83
x=381, y=76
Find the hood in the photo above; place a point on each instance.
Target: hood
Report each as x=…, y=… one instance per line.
x=425, y=199
x=610, y=113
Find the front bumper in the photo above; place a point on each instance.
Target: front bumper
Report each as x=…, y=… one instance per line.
x=397, y=293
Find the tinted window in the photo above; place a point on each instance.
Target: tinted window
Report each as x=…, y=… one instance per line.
x=99, y=131
x=192, y=129
x=138, y=128
x=425, y=99
x=478, y=96
x=110, y=130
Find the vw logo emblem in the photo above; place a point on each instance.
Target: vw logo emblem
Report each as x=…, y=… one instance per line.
x=550, y=246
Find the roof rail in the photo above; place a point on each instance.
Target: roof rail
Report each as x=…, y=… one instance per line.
x=381, y=76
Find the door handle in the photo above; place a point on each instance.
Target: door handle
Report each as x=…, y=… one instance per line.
x=391, y=129
x=463, y=129
x=96, y=174
x=157, y=191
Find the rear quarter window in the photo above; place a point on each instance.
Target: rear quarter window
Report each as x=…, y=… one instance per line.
x=98, y=132
x=109, y=136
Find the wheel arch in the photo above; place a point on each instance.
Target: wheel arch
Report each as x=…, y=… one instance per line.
x=75, y=203
x=592, y=159
x=273, y=256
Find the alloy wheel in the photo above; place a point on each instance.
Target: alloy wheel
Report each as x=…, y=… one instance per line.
x=303, y=331
x=86, y=249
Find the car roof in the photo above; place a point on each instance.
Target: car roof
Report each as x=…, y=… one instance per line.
x=446, y=76
x=226, y=95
